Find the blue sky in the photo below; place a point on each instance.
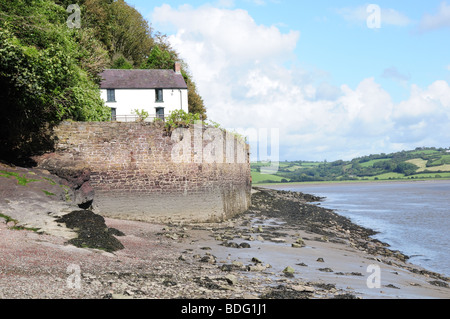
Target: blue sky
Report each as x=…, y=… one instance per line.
x=334, y=85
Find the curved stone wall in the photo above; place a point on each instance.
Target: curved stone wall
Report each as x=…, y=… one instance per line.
x=140, y=172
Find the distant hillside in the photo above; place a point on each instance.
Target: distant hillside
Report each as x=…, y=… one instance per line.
x=415, y=164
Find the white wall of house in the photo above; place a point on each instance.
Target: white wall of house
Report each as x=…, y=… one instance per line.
x=127, y=100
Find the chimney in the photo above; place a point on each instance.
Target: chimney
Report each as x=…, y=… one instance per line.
x=177, y=67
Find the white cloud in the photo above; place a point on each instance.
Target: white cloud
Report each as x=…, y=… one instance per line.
x=230, y=33
x=425, y=115
x=239, y=68
x=437, y=21
x=394, y=74
x=360, y=15
x=225, y=3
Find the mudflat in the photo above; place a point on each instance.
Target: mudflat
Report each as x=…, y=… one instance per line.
x=284, y=247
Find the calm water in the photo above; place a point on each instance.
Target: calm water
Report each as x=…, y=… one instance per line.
x=413, y=217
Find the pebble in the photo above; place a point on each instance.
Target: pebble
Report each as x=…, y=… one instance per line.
x=231, y=279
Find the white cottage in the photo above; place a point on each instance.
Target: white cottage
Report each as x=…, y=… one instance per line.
x=157, y=92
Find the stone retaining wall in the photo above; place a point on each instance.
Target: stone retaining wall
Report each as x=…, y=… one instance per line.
x=140, y=172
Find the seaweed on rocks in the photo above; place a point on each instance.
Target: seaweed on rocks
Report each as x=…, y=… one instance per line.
x=296, y=210
x=300, y=211
x=283, y=292
x=92, y=231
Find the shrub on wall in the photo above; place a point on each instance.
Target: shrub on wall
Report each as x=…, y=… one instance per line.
x=180, y=118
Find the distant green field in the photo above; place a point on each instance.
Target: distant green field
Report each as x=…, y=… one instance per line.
x=431, y=163
x=426, y=152
x=444, y=159
x=294, y=167
x=422, y=164
x=388, y=176
x=432, y=175
x=259, y=177
x=370, y=163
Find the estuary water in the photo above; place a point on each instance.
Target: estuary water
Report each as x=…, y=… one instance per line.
x=412, y=217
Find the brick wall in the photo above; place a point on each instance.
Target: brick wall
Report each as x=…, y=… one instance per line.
x=140, y=172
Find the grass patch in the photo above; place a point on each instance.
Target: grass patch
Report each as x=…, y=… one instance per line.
x=25, y=228
x=370, y=163
x=387, y=176
x=443, y=168
x=260, y=178
x=8, y=218
x=52, y=182
x=422, y=164
x=432, y=175
x=48, y=193
x=15, y=227
x=294, y=168
x=425, y=152
x=21, y=179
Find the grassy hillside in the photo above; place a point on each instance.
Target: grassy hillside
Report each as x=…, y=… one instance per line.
x=416, y=164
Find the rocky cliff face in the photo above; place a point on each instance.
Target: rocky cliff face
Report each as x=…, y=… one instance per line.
x=75, y=175
x=34, y=198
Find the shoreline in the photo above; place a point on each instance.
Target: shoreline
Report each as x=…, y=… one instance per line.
x=351, y=182
x=422, y=258
x=284, y=247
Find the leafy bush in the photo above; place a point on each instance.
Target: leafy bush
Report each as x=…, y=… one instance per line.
x=180, y=118
x=46, y=76
x=406, y=168
x=142, y=115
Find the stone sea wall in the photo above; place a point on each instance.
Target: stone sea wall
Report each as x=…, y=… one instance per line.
x=138, y=171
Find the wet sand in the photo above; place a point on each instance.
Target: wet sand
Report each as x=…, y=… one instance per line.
x=244, y=258
x=336, y=258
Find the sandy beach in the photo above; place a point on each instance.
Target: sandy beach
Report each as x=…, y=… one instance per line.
x=284, y=247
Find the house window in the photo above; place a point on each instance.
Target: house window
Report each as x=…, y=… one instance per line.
x=159, y=95
x=160, y=113
x=111, y=95
x=113, y=114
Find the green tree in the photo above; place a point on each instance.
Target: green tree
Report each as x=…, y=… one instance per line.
x=121, y=63
x=406, y=168
x=159, y=59
x=128, y=33
x=163, y=56
x=46, y=75
x=195, y=101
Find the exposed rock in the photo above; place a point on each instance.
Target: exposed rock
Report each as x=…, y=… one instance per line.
x=231, y=279
x=325, y=269
x=283, y=292
x=257, y=267
x=74, y=175
x=439, y=283
x=301, y=288
x=210, y=259
x=289, y=270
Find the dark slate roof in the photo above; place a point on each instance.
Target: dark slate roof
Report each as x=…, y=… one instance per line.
x=141, y=79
